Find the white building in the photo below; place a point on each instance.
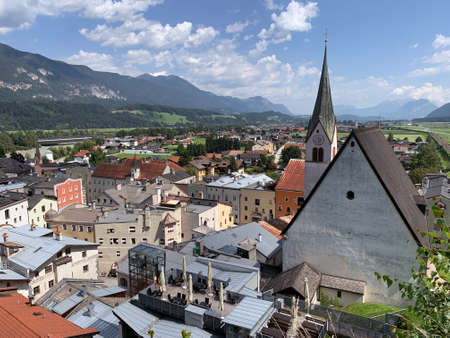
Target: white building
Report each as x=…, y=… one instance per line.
x=13, y=208
x=38, y=206
x=44, y=259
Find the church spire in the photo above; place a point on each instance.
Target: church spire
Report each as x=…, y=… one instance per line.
x=323, y=108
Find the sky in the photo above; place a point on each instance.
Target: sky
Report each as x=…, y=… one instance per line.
x=377, y=50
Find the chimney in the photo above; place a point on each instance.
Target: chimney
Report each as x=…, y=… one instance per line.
x=119, y=187
x=5, y=237
x=90, y=310
x=58, y=235
x=32, y=226
x=259, y=238
x=93, y=205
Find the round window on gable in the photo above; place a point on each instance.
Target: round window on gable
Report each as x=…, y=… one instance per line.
x=352, y=144
x=317, y=130
x=350, y=195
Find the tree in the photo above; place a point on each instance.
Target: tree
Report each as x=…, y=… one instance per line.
x=390, y=138
x=184, y=159
x=2, y=151
x=427, y=157
x=18, y=157
x=418, y=174
x=419, y=139
x=97, y=156
x=429, y=288
x=289, y=153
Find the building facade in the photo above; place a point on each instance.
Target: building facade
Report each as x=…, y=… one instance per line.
x=289, y=191
x=257, y=204
x=13, y=208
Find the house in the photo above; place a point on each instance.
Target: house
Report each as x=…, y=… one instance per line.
x=180, y=177
x=12, y=168
x=263, y=145
x=202, y=168
x=13, y=208
x=67, y=191
x=24, y=320
x=290, y=189
x=436, y=185
x=251, y=157
x=38, y=206
x=82, y=156
x=371, y=221
x=227, y=189
x=257, y=203
x=45, y=258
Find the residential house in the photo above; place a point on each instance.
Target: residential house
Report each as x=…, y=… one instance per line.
x=83, y=172
x=202, y=168
x=45, y=258
x=13, y=208
x=67, y=191
x=38, y=206
x=12, y=168
x=436, y=185
x=251, y=157
x=227, y=189
x=82, y=156
x=257, y=203
x=371, y=222
x=263, y=145
x=290, y=189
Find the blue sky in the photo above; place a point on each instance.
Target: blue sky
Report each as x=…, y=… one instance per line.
x=377, y=51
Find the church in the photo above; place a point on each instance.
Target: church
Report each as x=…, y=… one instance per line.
x=362, y=215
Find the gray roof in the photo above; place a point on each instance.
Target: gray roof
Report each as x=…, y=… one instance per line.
x=344, y=284
x=11, y=166
x=250, y=313
x=239, y=181
x=102, y=318
x=232, y=236
x=135, y=194
x=35, y=199
x=323, y=108
x=36, y=232
x=140, y=321
x=37, y=250
x=198, y=209
x=69, y=303
x=176, y=176
x=11, y=197
x=104, y=292
x=9, y=275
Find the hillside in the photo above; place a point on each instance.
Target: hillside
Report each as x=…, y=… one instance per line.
x=45, y=114
x=441, y=114
x=26, y=76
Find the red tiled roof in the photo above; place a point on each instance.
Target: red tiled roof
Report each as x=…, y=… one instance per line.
x=175, y=166
x=210, y=156
x=174, y=159
x=117, y=171
x=82, y=153
x=293, y=177
x=270, y=228
x=152, y=169
x=299, y=145
x=19, y=319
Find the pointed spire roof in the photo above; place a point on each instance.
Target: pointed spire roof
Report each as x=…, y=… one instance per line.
x=37, y=154
x=323, y=109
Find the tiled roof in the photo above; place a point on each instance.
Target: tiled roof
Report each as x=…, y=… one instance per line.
x=293, y=177
x=152, y=169
x=175, y=166
x=344, y=284
x=82, y=153
x=19, y=319
x=168, y=220
x=270, y=228
x=10, y=197
x=9, y=165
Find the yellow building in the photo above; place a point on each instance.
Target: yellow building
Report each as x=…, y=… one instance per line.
x=257, y=204
x=225, y=216
x=202, y=167
x=38, y=206
x=264, y=145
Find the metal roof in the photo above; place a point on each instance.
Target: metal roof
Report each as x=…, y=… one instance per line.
x=36, y=232
x=7, y=275
x=102, y=318
x=249, y=313
x=232, y=236
x=37, y=249
x=195, y=309
x=198, y=209
x=69, y=303
x=104, y=292
x=240, y=181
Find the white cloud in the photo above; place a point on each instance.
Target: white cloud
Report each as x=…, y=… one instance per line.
x=236, y=27
x=248, y=37
x=271, y=5
x=95, y=61
x=439, y=60
x=304, y=70
x=441, y=41
x=439, y=57
x=20, y=14
x=415, y=45
x=437, y=94
x=260, y=47
x=162, y=73
x=138, y=56
x=153, y=35
x=297, y=16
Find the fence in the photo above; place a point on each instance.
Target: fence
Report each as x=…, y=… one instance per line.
x=344, y=323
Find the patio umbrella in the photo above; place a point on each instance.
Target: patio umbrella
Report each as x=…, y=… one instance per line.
x=190, y=294
x=307, y=298
x=209, y=276
x=162, y=281
x=221, y=297
x=293, y=316
x=184, y=269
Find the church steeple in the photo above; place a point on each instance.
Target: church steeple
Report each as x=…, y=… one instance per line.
x=323, y=108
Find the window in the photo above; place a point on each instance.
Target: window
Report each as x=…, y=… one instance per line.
x=115, y=241
x=144, y=240
x=64, y=227
x=118, y=253
x=36, y=290
x=257, y=201
x=51, y=283
x=315, y=155
x=59, y=254
x=74, y=227
x=320, y=154
x=68, y=251
x=89, y=229
x=246, y=208
x=133, y=241
x=48, y=269
x=83, y=254
x=100, y=240
x=350, y=195
x=70, y=188
x=15, y=219
x=246, y=217
x=110, y=231
x=300, y=200
x=85, y=268
x=288, y=210
x=64, y=191
x=132, y=229
x=339, y=293
x=280, y=208
x=81, y=228
x=76, y=195
x=100, y=254
x=245, y=198
x=76, y=188
x=124, y=241
x=287, y=199
x=43, y=208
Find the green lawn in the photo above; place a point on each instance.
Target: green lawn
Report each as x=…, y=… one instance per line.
x=199, y=140
x=123, y=155
x=437, y=211
x=369, y=309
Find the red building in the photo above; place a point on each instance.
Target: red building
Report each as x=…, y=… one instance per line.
x=289, y=192
x=69, y=192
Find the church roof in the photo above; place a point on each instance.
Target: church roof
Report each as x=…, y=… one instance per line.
x=392, y=176
x=323, y=109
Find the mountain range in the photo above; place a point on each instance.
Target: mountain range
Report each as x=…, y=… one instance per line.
x=441, y=114
x=27, y=76
x=387, y=110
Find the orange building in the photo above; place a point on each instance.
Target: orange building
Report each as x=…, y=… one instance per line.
x=289, y=192
x=69, y=192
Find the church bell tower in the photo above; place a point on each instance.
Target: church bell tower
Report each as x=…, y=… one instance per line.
x=321, y=139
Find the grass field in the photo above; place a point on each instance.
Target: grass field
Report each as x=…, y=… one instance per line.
x=123, y=155
x=369, y=309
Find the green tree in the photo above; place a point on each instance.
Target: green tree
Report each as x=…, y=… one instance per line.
x=427, y=157
x=2, y=151
x=418, y=174
x=184, y=159
x=428, y=288
x=97, y=156
x=419, y=139
x=390, y=138
x=289, y=153
x=18, y=157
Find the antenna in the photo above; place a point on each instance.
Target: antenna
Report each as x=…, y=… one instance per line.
x=326, y=36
